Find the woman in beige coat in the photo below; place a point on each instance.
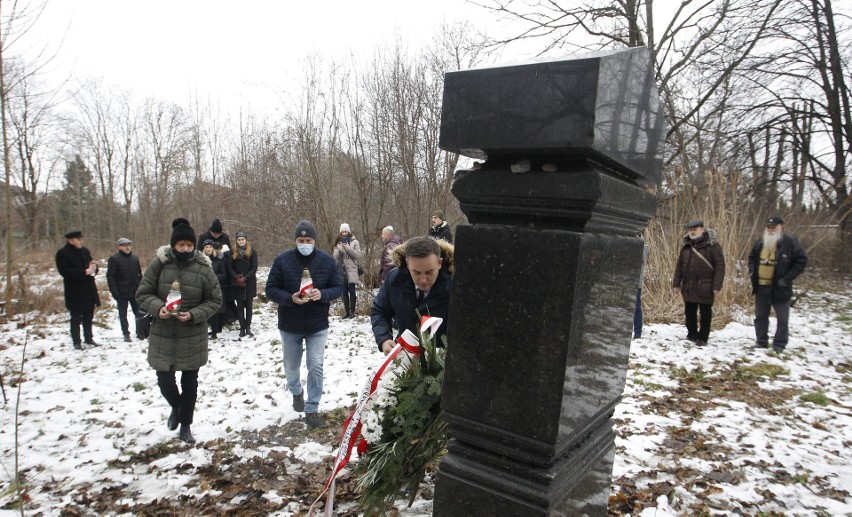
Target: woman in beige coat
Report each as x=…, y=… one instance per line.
x=347, y=253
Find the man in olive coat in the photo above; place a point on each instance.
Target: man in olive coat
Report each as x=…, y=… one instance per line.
x=699, y=273
x=78, y=270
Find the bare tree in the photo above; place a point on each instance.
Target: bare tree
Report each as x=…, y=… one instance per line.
x=802, y=78
x=14, y=22
x=33, y=124
x=161, y=163
x=699, y=48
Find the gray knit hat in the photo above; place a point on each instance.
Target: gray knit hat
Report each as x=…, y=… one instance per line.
x=306, y=229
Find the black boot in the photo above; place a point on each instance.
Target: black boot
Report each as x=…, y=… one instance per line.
x=242, y=332
x=185, y=435
x=248, y=332
x=174, y=417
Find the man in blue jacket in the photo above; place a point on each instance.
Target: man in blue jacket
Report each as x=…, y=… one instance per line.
x=774, y=262
x=419, y=284
x=303, y=316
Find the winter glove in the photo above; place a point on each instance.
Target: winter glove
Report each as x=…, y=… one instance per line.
x=782, y=283
x=241, y=281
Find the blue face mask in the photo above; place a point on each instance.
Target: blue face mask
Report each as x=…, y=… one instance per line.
x=305, y=249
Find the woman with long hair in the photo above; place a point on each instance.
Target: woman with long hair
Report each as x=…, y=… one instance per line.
x=347, y=253
x=243, y=273
x=213, y=251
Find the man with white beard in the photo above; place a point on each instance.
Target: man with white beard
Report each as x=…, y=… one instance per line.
x=774, y=262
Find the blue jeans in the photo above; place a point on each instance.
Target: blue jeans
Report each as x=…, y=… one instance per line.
x=291, y=343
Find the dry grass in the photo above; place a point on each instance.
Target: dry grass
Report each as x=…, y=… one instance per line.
x=718, y=205
x=722, y=202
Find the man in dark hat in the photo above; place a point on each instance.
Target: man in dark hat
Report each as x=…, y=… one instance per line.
x=699, y=273
x=774, y=262
x=123, y=276
x=216, y=234
x=440, y=229
x=303, y=314
x=78, y=270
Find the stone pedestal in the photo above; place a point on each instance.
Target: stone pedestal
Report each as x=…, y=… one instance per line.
x=544, y=287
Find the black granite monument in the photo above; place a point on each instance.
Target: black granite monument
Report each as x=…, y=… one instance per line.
x=545, y=279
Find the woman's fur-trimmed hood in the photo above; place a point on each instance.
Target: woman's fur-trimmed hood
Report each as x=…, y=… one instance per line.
x=165, y=255
x=397, y=254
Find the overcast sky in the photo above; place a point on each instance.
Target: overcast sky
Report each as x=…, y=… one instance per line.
x=241, y=51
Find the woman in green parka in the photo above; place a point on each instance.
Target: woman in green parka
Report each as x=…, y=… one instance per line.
x=178, y=342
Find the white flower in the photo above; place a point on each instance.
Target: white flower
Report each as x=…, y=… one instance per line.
x=371, y=425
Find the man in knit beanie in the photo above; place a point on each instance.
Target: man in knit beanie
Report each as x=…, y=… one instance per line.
x=303, y=314
x=215, y=233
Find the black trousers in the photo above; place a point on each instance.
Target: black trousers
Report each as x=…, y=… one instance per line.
x=217, y=321
x=85, y=319
x=244, y=313
x=693, y=331
x=349, y=298
x=122, y=313
x=185, y=399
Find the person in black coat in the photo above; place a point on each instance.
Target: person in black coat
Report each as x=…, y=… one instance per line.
x=219, y=263
x=243, y=280
x=420, y=283
x=216, y=234
x=123, y=276
x=775, y=261
x=440, y=229
x=78, y=270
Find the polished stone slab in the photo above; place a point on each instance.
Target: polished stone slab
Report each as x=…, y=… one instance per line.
x=603, y=106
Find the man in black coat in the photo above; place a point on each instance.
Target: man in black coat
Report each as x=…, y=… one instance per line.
x=123, y=276
x=217, y=235
x=440, y=229
x=774, y=262
x=420, y=283
x=78, y=270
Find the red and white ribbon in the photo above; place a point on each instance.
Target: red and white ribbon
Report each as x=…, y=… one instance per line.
x=406, y=350
x=304, y=285
x=173, y=302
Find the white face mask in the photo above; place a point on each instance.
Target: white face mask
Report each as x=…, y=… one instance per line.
x=305, y=249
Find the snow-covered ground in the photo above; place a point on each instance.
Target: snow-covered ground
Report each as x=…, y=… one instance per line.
x=720, y=430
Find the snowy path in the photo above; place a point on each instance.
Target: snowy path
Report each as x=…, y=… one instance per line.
x=721, y=429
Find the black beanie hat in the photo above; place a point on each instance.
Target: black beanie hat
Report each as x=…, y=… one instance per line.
x=181, y=231
x=306, y=229
x=216, y=226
